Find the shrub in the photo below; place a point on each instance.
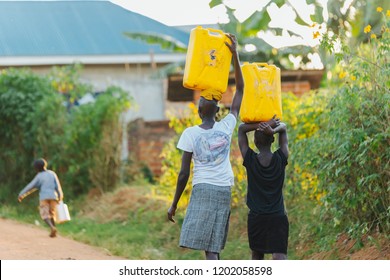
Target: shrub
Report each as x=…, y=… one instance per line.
x=81, y=143
x=21, y=96
x=353, y=146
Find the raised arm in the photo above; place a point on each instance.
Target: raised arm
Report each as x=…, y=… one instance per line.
x=237, y=99
x=283, y=139
x=282, y=130
x=243, y=129
x=182, y=180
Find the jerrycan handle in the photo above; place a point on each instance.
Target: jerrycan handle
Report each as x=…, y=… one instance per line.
x=220, y=32
x=264, y=64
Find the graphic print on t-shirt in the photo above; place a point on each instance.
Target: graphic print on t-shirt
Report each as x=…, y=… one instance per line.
x=211, y=147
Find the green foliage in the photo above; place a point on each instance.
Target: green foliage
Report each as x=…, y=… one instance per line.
x=344, y=16
x=303, y=116
x=171, y=156
x=214, y=3
x=81, y=143
x=65, y=80
x=165, y=42
x=353, y=16
x=21, y=95
x=353, y=151
x=247, y=34
x=94, y=139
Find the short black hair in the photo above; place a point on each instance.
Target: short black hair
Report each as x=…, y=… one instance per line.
x=40, y=164
x=262, y=139
x=207, y=107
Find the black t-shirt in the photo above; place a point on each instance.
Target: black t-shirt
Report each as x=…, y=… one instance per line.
x=265, y=184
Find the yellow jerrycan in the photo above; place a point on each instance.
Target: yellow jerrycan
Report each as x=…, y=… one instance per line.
x=208, y=60
x=262, y=92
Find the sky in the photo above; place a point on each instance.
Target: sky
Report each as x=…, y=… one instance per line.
x=176, y=12
x=198, y=12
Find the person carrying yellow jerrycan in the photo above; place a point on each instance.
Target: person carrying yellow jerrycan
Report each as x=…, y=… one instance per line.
x=208, y=60
x=207, y=146
x=262, y=94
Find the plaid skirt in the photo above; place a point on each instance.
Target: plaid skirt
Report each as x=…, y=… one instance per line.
x=206, y=223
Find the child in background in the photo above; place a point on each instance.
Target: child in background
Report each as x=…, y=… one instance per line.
x=50, y=193
x=268, y=225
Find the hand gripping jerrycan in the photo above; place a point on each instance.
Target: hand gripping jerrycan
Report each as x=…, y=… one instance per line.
x=208, y=60
x=262, y=92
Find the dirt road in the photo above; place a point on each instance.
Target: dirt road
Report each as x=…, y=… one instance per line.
x=29, y=242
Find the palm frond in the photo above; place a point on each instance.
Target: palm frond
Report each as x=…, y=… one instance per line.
x=166, y=42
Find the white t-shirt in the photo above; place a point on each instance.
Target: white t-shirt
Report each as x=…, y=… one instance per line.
x=210, y=150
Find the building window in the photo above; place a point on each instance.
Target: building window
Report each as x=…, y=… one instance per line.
x=176, y=91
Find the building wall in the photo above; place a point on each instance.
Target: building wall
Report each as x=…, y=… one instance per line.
x=146, y=141
x=148, y=92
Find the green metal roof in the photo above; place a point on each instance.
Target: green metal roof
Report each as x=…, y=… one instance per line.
x=66, y=28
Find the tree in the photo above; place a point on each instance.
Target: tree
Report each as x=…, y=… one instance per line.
x=247, y=33
x=346, y=16
x=352, y=16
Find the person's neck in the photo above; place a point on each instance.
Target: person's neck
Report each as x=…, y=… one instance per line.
x=265, y=150
x=207, y=123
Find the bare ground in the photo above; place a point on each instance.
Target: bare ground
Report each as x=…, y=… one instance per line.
x=29, y=242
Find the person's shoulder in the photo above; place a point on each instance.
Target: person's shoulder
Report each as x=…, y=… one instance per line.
x=189, y=133
x=229, y=119
x=280, y=154
x=230, y=116
x=190, y=129
x=49, y=171
x=250, y=153
x=248, y=158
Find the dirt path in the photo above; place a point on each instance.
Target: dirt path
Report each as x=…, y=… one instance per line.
x=28, y=242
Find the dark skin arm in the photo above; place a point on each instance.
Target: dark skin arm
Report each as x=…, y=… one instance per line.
x=244, y=128
x=243, y=138
x=237, y=99
x=182, y=180
x=282, y=130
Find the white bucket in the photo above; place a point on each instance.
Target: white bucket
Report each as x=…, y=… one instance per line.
x=62, y=213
